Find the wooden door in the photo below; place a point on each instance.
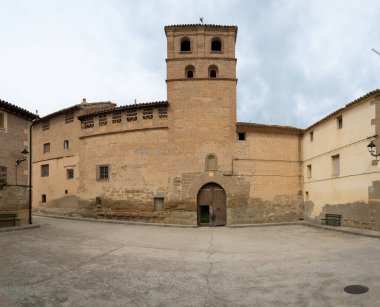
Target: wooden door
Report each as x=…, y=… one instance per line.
x=212, y=196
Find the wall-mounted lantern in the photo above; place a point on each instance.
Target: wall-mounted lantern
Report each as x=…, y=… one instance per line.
x=24, y=154
x=372, y=150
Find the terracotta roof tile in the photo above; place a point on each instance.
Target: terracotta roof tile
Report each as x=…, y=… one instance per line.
x=11, y=108
x=349, y=105
x=72, y=108
x=126, y=107
x=268, y=128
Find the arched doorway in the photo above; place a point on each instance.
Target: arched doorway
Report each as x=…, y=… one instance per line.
x=212, y=203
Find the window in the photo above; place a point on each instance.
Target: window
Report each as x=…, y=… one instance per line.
x=43, y=198
x=70, y=173
x=116, y=117
x=131, y=115
x=66, y=144
x=308, y=171
x=306, y=195
x=241, y=136
x=102, y=172
x=158, y=204
x=148, y=113
x=216, y=44
x=46, y=124
x=102, y=119
x=211, y=162
x=335, y=165
x=3, y=175
x=311, y=136
x=189, y=71
x=45, y=170
x=213, y=71
x=69, y=117
x=3, y=121
x=339, y=121
x=46, y=147
x=185, y=44
x=66, y=192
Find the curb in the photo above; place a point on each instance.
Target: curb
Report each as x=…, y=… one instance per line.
x=15, y=228
x=113, y=221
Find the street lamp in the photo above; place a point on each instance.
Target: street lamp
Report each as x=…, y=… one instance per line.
x=372, y=150
x=24, y=154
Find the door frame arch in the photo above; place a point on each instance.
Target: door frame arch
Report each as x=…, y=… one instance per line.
x=213, y=196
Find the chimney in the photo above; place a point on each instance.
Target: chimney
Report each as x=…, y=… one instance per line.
x=84, y=101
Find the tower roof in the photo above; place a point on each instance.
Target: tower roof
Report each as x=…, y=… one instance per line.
x=199, y=25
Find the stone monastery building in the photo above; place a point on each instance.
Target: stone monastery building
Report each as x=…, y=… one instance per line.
x=187, y=161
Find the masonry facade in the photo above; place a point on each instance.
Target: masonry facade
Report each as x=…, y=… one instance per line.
x=184, y=160
x=14, y=165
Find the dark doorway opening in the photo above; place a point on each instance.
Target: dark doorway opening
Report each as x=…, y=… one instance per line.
x=204, y=215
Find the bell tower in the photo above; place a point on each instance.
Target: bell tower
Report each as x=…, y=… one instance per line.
x=201, y=90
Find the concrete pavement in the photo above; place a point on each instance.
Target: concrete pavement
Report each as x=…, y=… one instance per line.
x=80, y=263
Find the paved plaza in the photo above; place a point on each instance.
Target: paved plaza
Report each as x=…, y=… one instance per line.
x=82, y=263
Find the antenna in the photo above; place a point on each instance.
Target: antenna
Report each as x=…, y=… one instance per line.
x=374, y=50
x=201, y=19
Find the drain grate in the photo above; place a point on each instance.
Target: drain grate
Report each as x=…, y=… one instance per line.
x=356, y=289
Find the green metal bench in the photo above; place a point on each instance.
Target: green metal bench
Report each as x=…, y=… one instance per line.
x=331, y=219
x=10, y=217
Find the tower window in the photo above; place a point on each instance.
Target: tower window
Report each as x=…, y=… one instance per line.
x=216, y=44
x=185, y=44
x=212, y=71
x=189, y=71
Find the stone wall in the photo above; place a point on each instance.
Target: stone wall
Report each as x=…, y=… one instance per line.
x=15, y=199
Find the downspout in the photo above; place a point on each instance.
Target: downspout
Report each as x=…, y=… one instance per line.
x=30, y=171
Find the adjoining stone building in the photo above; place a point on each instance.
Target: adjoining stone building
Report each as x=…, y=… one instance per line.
x=14, y=161
x=181, y=161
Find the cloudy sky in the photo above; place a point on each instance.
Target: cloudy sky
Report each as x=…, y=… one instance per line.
x=298, y=60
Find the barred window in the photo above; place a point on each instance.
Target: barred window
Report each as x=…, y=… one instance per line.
x=148, y=113
x=102, y=119
x=102, y=172
x=45, y=170
x=46, y=124
x=70, y=173
x=88, y=123
x=163, y=112
x=116, y=117
x=3, y=174
x=69, y=117
x=131, y=115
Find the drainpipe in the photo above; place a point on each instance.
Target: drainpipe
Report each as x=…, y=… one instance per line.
x=30, y=171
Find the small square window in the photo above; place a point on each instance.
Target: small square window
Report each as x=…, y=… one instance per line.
x=311, y=136
x=102, y=172
x=45, y=170
x=70, y=173
x=66, y=144
x=43, y=198
x=46, y=147
x=159, y=204
x=241, y=136
x=339, y=121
